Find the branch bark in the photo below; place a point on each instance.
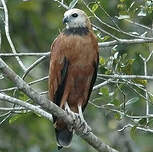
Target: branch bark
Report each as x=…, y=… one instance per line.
x=52, y=108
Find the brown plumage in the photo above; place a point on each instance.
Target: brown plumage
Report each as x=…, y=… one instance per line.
x=73, y=68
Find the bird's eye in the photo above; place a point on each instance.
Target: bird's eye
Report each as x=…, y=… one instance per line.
x=74, y=15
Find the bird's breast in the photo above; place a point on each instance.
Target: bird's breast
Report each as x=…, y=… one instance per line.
x=80, y=50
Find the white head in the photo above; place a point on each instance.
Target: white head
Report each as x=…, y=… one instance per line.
x=75, y=18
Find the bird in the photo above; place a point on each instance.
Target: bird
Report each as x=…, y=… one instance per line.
x=73, y=70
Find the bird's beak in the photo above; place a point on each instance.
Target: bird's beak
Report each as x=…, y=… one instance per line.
x=65, y=20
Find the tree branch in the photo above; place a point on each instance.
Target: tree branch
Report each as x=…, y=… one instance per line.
x=62, y=4
x=33, y=65
x=124, y=41
x=29, y=106
x=139, y=128
x=23, y=54
x=54, y=109
x=113, y=28
x=8, y=35
x=12, y=109
x=30, y=83
x=116, y=76
x=140, y=25
x=100, y=44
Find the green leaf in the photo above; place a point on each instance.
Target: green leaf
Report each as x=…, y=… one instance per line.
x=127, y=69
x=101, y=60
x=72, y=4
x=104, y=91
x=116, y=102
x=138, y=65
x=122, y=1
x=20, y=95
x=133, y=132
x=143, y=121
x=105, y=38
x=117, y=116
x=150, y=123
x=14, y=118
x=140, y=81
x=94, y=7
x=131, y=101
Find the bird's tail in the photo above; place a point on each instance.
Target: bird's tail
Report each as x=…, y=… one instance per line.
x=63, y=136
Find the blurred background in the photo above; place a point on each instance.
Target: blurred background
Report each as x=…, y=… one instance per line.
x=34, y=24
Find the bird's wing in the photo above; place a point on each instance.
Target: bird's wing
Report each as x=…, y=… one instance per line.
x=94, y=76
x=57, y=78
x=58, y=72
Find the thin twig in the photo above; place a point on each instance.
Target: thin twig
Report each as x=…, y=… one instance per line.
x=101, y=84
x=26, y=105
x=113, y=28
x=138, y=24
x=103, y=31
x=102, y=8
x=8, y=35
x=106, y=107
x=62, y=4
x=133, y=89
x=23, y=54
x=30, y=83
x=5, y=118
x=33, y=65
x=12, y=109
x=116, y=76
x=145, y=60
x=139, y=128
x=139, y=86
x=0, y=39
x=124, y=41
x=4, y=114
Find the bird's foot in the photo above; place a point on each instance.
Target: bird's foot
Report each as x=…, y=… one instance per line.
x=79, y=123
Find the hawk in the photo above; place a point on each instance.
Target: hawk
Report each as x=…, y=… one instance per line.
x=73, y=69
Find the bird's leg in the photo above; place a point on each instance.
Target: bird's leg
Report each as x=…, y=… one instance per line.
x=81, y=124
x=73, y=115
x=69, y=112
x=67, y=108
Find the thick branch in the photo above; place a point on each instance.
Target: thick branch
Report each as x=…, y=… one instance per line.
x=54, y=109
